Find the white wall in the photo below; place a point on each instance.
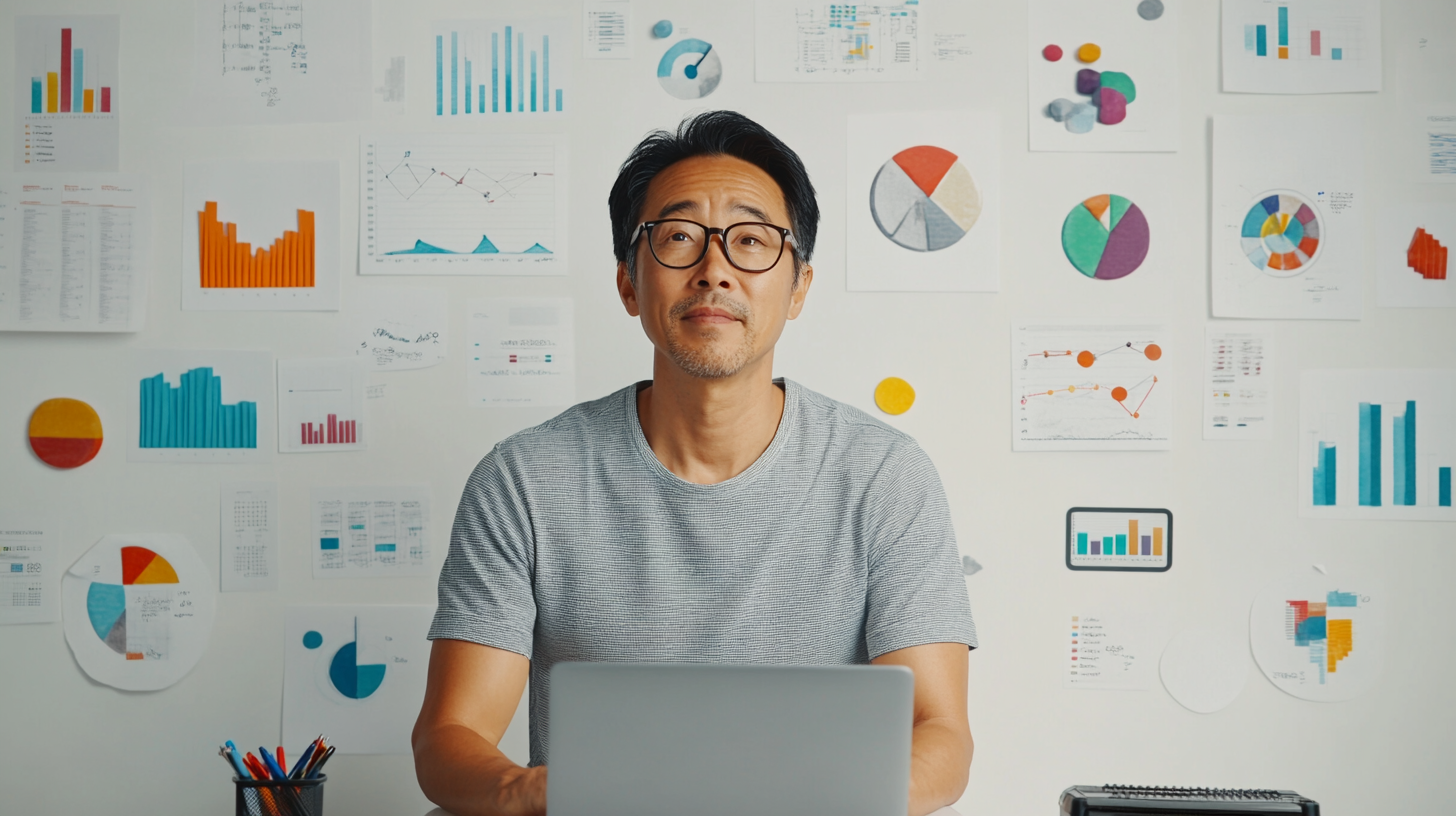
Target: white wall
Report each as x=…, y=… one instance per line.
x=68, y=745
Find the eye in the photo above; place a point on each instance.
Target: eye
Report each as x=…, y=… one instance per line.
x=679, y=236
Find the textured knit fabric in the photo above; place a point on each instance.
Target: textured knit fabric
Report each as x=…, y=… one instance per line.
x=573, y=542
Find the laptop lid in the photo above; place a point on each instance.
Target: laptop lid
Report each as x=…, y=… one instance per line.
x=654, y=739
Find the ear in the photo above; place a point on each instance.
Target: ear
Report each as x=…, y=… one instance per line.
x=626, y=290
x=796, y=298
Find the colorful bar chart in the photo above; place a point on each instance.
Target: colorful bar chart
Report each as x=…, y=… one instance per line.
x=226, y=263
x=1256, y=39
x=519, y=79
x=333, y=431
x=65, y=89
x=192, y=414
x=1124, y=539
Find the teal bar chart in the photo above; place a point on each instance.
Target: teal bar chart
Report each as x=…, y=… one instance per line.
x=520, y=79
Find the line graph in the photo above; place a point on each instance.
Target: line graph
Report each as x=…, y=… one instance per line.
x=1089, y=387
x=464, y=204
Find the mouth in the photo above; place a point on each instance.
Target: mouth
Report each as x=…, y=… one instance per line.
x=707, y=315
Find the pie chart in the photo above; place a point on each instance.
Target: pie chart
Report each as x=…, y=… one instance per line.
x=350, y=678
x=924, y=199
x=1281, y=234
x=690, y=69
x=106, y=603
x=1106, y=237
x=65, y=433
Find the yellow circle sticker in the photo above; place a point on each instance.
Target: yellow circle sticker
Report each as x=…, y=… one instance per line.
x=894, y=395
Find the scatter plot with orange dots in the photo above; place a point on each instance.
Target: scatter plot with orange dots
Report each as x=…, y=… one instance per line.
x=1063, y=404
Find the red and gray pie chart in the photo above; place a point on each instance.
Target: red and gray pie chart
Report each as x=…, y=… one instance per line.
x=924, y=199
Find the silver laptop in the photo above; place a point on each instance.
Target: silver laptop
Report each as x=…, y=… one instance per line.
x=656, y=739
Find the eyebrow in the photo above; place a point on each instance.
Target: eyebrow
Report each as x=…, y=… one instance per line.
x=678, y=207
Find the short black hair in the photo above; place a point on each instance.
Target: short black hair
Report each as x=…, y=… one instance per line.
x=714, y=133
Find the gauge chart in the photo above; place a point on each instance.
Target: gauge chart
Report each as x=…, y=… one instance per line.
x=690, y=69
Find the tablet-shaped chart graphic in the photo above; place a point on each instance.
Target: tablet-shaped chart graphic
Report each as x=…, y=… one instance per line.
x=1106, y=237
x=1282, y=234
x=690, y=69
x=924, y=199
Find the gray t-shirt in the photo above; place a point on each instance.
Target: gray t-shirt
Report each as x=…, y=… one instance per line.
x=573, y=542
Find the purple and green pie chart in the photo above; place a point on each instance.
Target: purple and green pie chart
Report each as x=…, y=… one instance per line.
x=1106, y=237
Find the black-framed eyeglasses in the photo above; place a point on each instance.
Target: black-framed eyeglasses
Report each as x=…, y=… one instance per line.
x=750, y=246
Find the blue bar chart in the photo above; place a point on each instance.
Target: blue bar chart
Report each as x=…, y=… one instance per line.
x=202, y=406
x=191, y=414
x=507, y=63
x=1397, y=430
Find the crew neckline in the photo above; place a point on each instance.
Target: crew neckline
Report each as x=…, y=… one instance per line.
x=764, y=461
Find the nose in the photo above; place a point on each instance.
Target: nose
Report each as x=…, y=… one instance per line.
x=714, y=271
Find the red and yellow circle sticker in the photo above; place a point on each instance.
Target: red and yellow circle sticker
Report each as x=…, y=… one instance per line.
x=65, y=433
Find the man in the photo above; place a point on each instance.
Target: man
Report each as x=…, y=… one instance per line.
x=713, y=514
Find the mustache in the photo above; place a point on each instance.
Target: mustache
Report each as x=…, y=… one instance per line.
x=711, y=300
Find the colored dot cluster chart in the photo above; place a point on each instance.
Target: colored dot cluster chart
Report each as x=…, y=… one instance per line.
x=1281, y=234
x=924, y=199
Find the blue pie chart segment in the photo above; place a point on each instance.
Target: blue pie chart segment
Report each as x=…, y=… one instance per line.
x=690, y=69
x=351, y=679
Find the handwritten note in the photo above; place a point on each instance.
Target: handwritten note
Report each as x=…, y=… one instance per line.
x=397, y=328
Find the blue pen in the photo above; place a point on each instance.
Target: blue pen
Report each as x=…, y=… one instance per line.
x=232, y=754
x=302, y=762
x=272, y=763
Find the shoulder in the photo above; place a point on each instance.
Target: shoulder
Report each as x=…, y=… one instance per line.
x=587, y=428
x=843, y=426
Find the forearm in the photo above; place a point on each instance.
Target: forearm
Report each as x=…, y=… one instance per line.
x=940, y=764
x=462, y=772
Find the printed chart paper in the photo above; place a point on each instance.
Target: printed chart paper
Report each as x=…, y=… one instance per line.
x=1436, y=148
x=823, y=42
x=67, y=94
x=494, y=68
x=1318, y=638
x=463, y=204
x=74, y=252
x=370, y=532
x=606, y=28
x=1103, y=76
x=1090, y=386
x=30, y=584
x=390, y=87
x=1377, y=444
x=393, y=328
x=1238, y=398
x=1288, y=217
x=249, y=536
x=356, y=673
x=1301, y=46
x=196, y=405
x=280, y=63
x=321, y=405
x=138, y=610
x=923, y=209
x=261, y=236
x=1413, y=265
x=1108, y=650
x=521, y=352
x=1205, y=668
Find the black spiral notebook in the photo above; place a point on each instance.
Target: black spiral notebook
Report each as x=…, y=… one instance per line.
x=1136, y=800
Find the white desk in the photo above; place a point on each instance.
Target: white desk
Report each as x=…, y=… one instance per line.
x=941, y=812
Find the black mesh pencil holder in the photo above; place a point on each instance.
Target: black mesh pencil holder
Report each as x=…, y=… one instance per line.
x=272, y=797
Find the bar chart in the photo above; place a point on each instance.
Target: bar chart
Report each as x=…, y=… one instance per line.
x=226, y=263
x=191, y=414
x=1119, y=539
x=492, y=67
x=333, y=431
x=1397, y=434
x=67, y=89
x=1301, y=46
x=66, y=98
x=1299, y=37
x=321, y=405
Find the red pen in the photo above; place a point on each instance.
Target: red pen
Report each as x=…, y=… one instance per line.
x=260, y=771
x=282, y=763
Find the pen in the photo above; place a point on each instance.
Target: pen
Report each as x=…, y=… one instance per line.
x=272, y=765
x=318, y=754
x=259, y=772
x=298, y=767
x=319, y=766
x=231, y=755
x=282, y=763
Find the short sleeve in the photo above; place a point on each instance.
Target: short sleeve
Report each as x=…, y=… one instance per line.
x=916, y=586
x=485, y=592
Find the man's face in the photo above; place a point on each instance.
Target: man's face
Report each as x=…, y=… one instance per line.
x=713, y=320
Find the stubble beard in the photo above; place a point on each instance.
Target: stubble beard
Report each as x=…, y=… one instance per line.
x=712, y=361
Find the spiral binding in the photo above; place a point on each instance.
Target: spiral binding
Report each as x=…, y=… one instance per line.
x=1224, y=794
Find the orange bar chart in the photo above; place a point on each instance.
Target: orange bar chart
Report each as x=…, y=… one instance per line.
x=226, y=263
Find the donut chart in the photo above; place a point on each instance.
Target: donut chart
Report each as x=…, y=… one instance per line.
x=65, y=433
x=690, y=69
x=1106, y=237
x=1281, y=234
x=924, y=199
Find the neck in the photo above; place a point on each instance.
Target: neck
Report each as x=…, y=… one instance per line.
x=708, y=431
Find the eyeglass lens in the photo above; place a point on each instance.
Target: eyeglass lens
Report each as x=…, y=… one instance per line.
x=750, y=247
